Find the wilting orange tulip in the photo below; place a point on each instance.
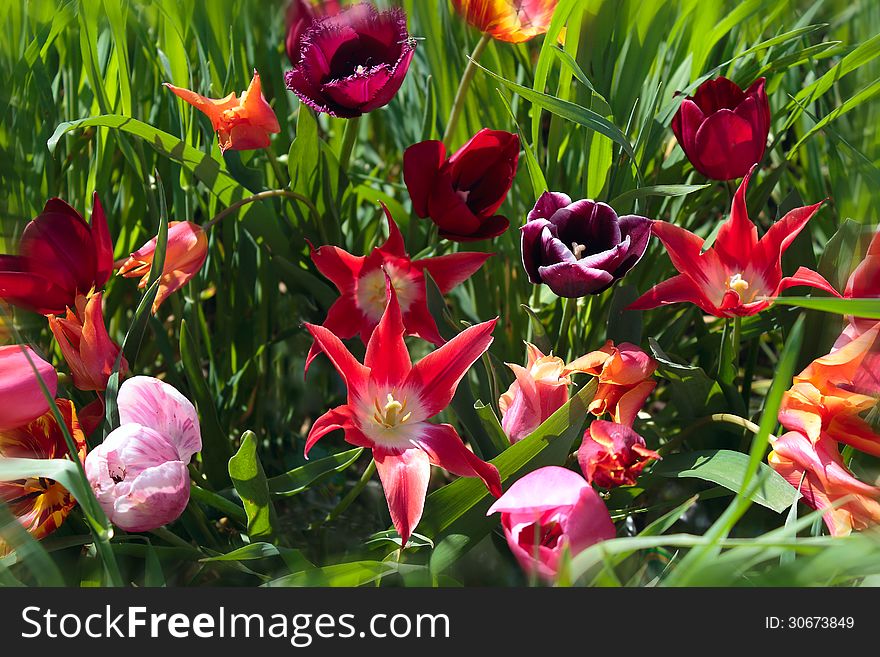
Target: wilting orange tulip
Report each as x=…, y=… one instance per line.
x=241, y=124
x=817, y=468
x=184, y=256
x=40, y=505
x=85, y=344
x=624, y=380
x=514, y=21
x=831, y=394
x=540, y=388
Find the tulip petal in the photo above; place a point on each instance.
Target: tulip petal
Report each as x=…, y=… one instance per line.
x=155, y=404
x=588, y=521
x=404, y=477
x=20, y=390
x=804, y=276
x=336, y=418
x=394, y=245
x=726, y=145
x=768, y=252
x=539, y=490
x=352, y=372
x=446, y=450
x=574, y=279
x=685, y=124
x=338, y=265
x=421, y=164
x=678, y=289
x=547, y=205
x=738, y=236
x=489, y=227
x=420, y=323
x=344, y=319
x=59, y=246
x=103, y=243
x=684, y=249
x=449, y=271
x=638, y=230
x=387, y=357
x=33, y=292
x=437, y=375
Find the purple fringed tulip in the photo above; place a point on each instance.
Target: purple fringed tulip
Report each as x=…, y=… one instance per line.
x=353, y=62
x=582, y=247
x=139, y=473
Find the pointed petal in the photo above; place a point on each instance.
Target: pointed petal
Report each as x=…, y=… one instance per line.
x=437, y=375
x=738, y=236
x=768, y=253
x=446, y=450
x=103, y=243
x=450, y=270
x=394, y=245
x=33, y=292
x=404, y=477
x=684, y=249
x=421, y=164
x=352, y=372
x=804, y=276
x=338, y=265
x=336, y=418
x=387, y=357
x=344, y=319
x=678, y=289
x=420, y=323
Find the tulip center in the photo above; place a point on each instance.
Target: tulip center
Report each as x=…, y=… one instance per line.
x=542, y=534
x=578, y=250
x=392, y=414
x=370, y=295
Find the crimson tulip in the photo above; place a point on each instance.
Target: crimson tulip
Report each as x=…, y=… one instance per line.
x=390, y=401
x=582, y=247
x=300, y=16
x=60, y=257
x=352, y=63
x=612, y=454
x=723, y=129
x=462, y=192
x=361, y=284
x=740, y=274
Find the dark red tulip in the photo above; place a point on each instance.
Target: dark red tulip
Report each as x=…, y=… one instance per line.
x=461, y=193
x=723, y=129
x=353, y=62
x=582, y=247
x=300, y=16
x=60, y=257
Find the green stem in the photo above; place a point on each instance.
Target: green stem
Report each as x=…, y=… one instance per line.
x=568, y=307
x=260, y=197
x=349, y=138
x=737, y=340
x=728, y=418
x=352, y=495
x=220, y=503
x=463, y=86
x=749, y=371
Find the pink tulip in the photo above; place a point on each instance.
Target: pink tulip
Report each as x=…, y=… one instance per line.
x=22, y=397
x=548, y=511
x=139, y=473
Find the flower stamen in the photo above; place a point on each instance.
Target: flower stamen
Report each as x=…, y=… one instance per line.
x=578, y=250
x=738, y=284
x=389, y=416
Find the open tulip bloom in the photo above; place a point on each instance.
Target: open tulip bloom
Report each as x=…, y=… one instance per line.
x=739, y=275
x=361, y=284
x=391, y=399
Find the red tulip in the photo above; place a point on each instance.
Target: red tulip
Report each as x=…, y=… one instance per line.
x=61, y=257
x=864, y=283
x=241, y=124
x=300, y=16
x=737, y=276
x=87, y=348
x=817, y=468
x=514, y=21
x=390, y=401
x=613, y=454
x=20, y=391
x=352, y=63
x=547, y=512
x=361, y=284
x=41, y=505
x=723, y=129
x=461, y=193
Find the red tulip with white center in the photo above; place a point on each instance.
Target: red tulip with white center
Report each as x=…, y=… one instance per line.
x=361, y=284
x=390, y=401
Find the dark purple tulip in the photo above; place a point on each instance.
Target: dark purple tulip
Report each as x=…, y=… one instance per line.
x=580, y=248
x=353, y=62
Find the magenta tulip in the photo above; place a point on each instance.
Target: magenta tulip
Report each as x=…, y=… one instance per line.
x=22, y=397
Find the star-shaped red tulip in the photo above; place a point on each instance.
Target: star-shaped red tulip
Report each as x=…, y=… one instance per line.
x=390, y=401
x=361, y=284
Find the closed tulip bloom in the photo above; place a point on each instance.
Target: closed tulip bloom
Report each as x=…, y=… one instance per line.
x=514, y=21
x=61, y=256
x=613, y=455
x=739, y=275
x=461, y=193
x=625, y=380
x=241, y=124
x=300, y=16
x=723, y=129
x=817, y=469
x=548, y=511
x=41, y=505
x=87, y=348
x=582, y=247
x=352, y=63
x=185, y=254
x=140, y=472
x=22, y=396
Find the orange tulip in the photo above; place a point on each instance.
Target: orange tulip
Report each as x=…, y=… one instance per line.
x=184, y=256
x=831, y=394
x=513, y=21
x=40, y=505
x=241, y=124
x=85, y=344
x=624, y=380
x=815, y=466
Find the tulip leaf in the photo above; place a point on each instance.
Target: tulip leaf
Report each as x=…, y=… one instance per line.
x=622, y=200
x=867, y=308
x=251, y=484
x=294, y=559
x=460, y=507
x=203, y=166
x=727, y=468
x=536, y=176
x=693, y=392
x=300, y=479
x=356, y=573
x=302, y=159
